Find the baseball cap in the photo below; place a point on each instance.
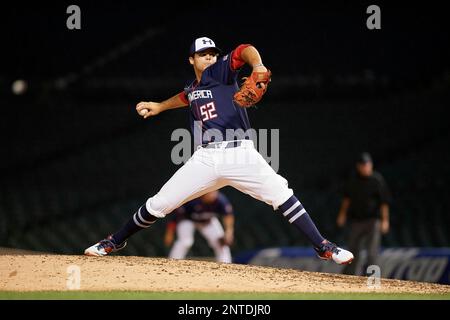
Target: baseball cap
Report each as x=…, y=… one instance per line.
x=364, y=158
x=201, y=44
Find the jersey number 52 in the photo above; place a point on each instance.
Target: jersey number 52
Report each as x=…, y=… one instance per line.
x=208, y=111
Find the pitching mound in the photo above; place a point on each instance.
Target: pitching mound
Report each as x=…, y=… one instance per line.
x=50, y=272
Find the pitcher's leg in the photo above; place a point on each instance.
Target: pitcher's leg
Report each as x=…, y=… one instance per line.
x=261, y=182
x=195, y=178
x=256, y=178
x=192, y=180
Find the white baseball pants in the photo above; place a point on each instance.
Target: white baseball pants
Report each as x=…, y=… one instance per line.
x=210, y=169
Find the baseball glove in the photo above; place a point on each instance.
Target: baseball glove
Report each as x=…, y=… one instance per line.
x=253, y=88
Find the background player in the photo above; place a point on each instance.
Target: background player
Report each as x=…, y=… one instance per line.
x=202, y=214
x=220, y=160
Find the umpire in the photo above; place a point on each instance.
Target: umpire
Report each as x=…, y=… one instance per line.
x=365, y=206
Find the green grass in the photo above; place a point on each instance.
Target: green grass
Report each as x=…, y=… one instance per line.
x=139, y=295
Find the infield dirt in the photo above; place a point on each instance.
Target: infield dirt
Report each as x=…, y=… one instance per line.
x=42, y=272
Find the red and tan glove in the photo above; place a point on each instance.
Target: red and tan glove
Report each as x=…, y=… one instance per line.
x=253, y=88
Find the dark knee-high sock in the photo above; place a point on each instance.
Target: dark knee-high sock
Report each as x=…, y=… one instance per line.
x=293, y=210
x=142, y=219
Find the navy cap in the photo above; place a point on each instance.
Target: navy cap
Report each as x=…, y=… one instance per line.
x=364, y=158
x=201, y=44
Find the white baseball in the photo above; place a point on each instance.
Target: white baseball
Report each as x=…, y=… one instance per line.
x=143, y=112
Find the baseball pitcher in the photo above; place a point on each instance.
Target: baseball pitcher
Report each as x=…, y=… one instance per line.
x=217, y=107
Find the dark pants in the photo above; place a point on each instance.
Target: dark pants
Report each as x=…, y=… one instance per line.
x=364, y=234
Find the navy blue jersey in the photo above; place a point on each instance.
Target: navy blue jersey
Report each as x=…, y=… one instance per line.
x=198, y=211
x=211, y=102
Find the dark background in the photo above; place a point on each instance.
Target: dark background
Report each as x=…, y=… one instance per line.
x=77, y=161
